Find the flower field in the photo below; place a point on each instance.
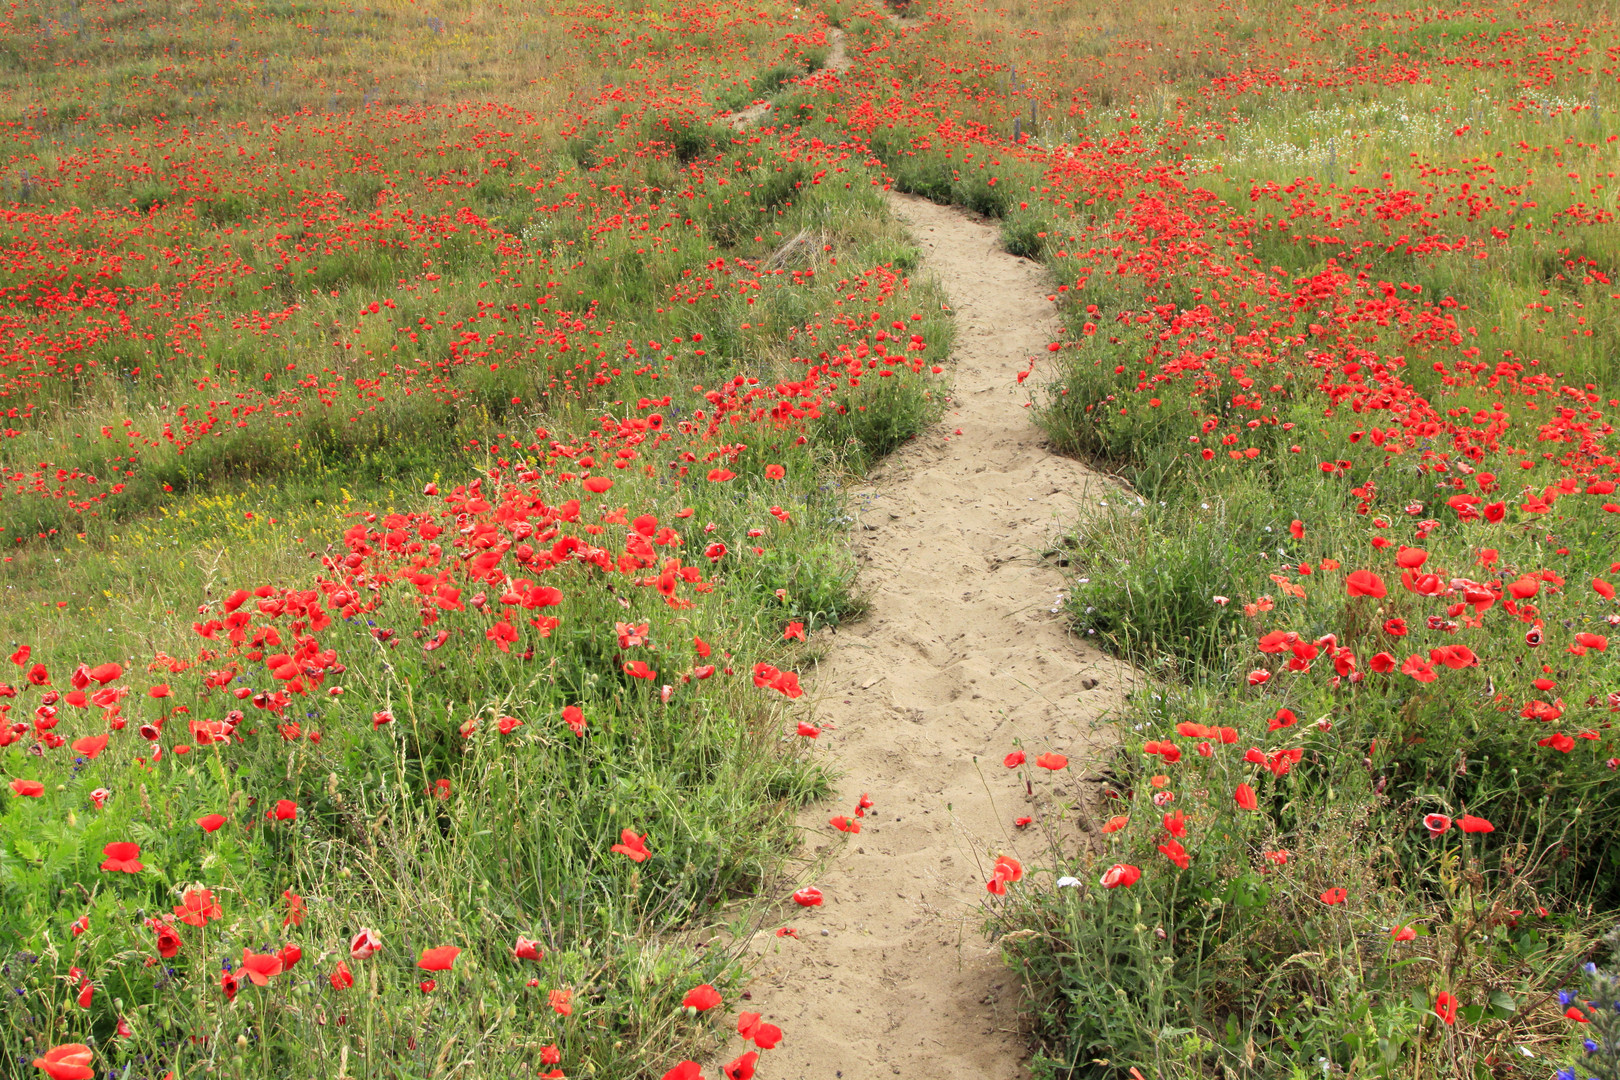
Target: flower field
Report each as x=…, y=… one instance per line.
x=426, y=431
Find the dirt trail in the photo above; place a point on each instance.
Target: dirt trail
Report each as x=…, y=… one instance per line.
x=960, y=655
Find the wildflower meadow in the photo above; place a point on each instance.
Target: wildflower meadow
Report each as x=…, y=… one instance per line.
x=430, y=436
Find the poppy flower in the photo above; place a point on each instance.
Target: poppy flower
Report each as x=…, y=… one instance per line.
x=1172, y=850
x=632, y=846
x=90, y=745
x=1410, y=558
x=1296, y=528
x=1014, y=759
x=686, y=1070
x=701, y=998
x=1437, y=824
x=1445, y=1007
x=168, y=941
x=364, y=944
x=123, y=857
x=295, y=908
x=260, y=967
x=1120, y=874
x=1052, y=762
x=211, y=822
x=1365, y=583
x=1383, y=663
x=597, y=485
x=341, y=978
x=844, y=824
x=1419, y=668
x=1472, y=824
x=1116, y=823
x=1402, y=933
x=743, y=1067
x=70, y=1061
x=525, y=949
x=102, y=674
x=809, y=896
x=574, y=717
x=809, y=731
x=197, y=907
x=28, y=789
x=438, y=959
x=1331, y=897
x=289, y=955
x=1244, y=797
x=284, y=810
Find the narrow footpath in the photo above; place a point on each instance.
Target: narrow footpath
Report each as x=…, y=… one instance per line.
x=961, y=655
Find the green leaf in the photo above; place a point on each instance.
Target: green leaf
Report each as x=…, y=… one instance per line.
x=1503, y=1002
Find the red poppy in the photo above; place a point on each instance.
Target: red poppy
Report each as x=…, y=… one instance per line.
x=90, y=745
x=701, y=998
x=438, y=959
x=70, y=1061
x=1116, y=823
x=743, y=1067
x=168, y=940
x=1445, y=1007
x=631, y=845
x=686, y=1070
x=844, y=824
x=28, y=789
x=809, y=731
x=1410, y=558
x=260, y=967
x=211, y=822
x=597, y=484
x=197, y=906
x=1402, y=933
x=284, y=810
x=1472, y=824
x=102, y=674
x=123, y=857
x=364, y=944
x=809, y=896
x=1120, y=874
x=525, y=949
x=289, y=955
x=295, y=908
x=1365, y=583
x=574, y=717
x=1051, y=761
x=341, y=978
x=1173, y=851
x=1331, y=897
x=1244, y=796
x=1014, y=759
x=1419, y=668
x=1437, y=824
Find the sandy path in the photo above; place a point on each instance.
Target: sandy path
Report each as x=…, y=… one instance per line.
x=959, y=656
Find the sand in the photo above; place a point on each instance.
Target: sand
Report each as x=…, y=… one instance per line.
x=960, y=655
